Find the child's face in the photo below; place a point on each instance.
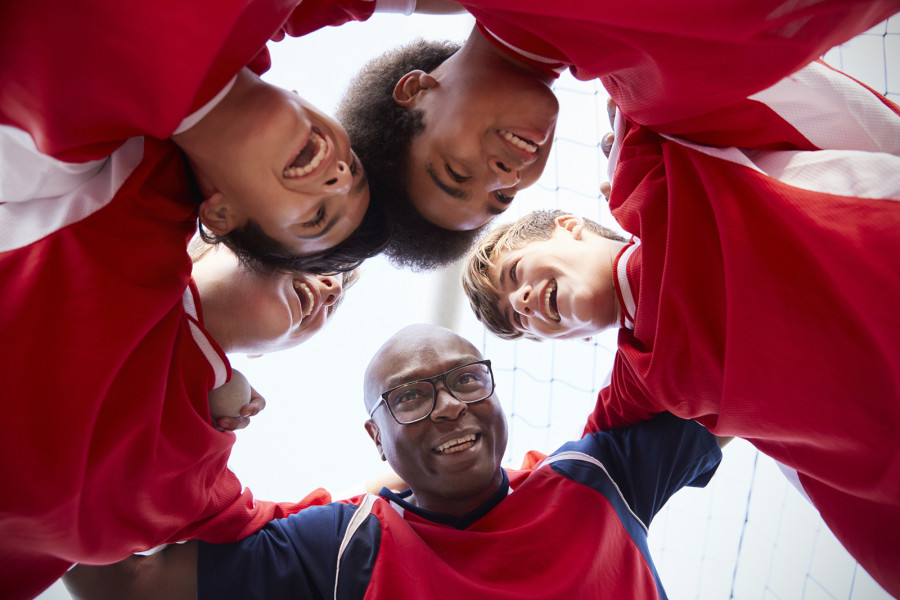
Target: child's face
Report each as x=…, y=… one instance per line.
x=289, y=167
x=555, y=288
x=488, y=134
x=274, y=310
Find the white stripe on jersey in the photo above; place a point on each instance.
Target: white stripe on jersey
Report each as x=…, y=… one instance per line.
x=833, y=111
x=855, y=174
x=202, y=340
x=41, y=195
x=581, y=456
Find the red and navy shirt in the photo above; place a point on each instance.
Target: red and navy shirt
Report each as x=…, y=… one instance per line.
x=575, y=526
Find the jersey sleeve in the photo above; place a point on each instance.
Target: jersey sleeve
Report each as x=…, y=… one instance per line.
x=652, y=460
x=815, y=108
x=311, y=15
x=83, y=78
x=295, y=557
x=233, y=513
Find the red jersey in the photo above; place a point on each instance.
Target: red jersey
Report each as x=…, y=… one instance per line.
x=760, y=299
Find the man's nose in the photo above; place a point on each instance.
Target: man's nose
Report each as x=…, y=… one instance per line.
x=339, y=178
x=507, y=176
x=446, y=406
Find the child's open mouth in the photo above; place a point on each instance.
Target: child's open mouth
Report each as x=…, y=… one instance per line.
x=309, y=158
x=548, y=302
x=307, y=299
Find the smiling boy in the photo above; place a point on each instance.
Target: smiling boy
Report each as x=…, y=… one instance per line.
x=115, y=449
x=445, y=155
x=466, y=527
x=276, y=178
x=754, y=296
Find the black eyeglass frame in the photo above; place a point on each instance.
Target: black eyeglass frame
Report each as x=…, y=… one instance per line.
x=432, y=381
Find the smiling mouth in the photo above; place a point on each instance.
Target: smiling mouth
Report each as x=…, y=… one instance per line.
x=458, y=445
x=307, y=299
x=309, y=158
x=548, y=302
x=519, y=142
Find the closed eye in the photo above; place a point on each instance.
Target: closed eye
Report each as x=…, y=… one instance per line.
x=317, y=220
x=454, y=175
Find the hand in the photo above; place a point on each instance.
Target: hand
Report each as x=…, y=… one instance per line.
x=251, y=409
x=606, y=143
x=232, y=404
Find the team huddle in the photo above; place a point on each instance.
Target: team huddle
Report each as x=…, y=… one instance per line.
x=162, y=206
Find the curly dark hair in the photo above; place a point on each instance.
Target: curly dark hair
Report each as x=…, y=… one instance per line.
x=380, y=133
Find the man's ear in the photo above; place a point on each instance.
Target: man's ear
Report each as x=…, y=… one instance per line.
x=216, y=214
x=411, y=86
x=375, y=434
x=571, y=223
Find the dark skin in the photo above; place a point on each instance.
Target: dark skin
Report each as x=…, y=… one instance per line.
x=453, y=483
x=489, y=124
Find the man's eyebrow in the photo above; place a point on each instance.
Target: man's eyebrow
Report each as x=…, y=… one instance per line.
x=449, y=190
x=321, y=232
x=493, y=210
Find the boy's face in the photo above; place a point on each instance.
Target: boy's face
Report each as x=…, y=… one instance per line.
x=289, y=168
x=556, y=288
x=488, y=134
x=274, y=310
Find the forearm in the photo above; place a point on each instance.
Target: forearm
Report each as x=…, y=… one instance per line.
x=167, y=575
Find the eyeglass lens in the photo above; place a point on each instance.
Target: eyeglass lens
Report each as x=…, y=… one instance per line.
x=415, y=400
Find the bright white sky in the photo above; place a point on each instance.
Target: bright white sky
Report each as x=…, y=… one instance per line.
x=311, y=433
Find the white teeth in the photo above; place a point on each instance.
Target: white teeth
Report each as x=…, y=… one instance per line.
x=548, y=307
x=321, y=147
x=456, y=442
x=519, y=142
x=299, y=286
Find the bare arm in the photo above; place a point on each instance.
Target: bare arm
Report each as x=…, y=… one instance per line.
x=170, y=574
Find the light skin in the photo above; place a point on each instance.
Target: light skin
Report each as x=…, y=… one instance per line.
x=489, y=125
x=265, y=154
x=562, y=287
x=453, y=484
x=278, y=310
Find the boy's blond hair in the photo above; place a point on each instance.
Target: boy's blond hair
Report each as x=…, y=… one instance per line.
x=483, y=295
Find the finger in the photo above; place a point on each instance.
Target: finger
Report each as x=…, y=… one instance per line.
x=256, y=404
x=606, y=143
x=611, y=112
x=232, y=423
x=606, y=190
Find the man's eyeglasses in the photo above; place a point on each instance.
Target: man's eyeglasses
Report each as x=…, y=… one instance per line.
x=414, y=401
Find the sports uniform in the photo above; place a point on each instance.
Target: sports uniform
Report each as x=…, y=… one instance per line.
x=759, y=295
x=106, y=365
x=106, y=372
x=572, y=527
x=664, y=63
x=83, y=79
x=759, y=298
